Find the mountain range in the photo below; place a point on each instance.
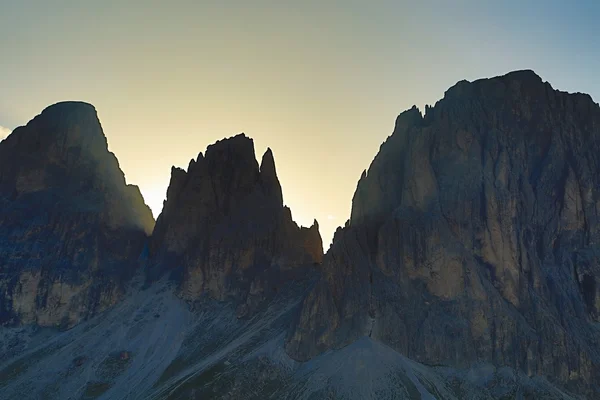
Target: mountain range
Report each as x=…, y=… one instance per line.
x=468, y=269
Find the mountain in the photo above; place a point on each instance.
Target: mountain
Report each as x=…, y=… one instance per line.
x=224, y=226
x=71, y=230
x=468, y=268
x=474, y=238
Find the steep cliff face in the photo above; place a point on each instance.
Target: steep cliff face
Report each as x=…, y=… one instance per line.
x=474, y=236
x=71, y=229
x=225, y=226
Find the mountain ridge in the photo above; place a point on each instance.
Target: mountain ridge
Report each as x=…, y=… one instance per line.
x=485, y=210
x=71, y=229
x=469, y=266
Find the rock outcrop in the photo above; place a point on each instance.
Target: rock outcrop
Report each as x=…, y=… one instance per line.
x=71, y=229
x=474, y=237
x=225, y=228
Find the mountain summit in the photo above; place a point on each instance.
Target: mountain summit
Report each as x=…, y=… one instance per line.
x=225, y=226
x=474, y=237
x=71, y=229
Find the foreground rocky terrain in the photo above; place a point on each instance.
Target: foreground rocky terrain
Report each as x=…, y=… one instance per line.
x=154, y=346
x=468, y=268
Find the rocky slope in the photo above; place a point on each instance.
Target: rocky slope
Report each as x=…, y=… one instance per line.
x=71, y=229
x=152, y=346
x=225, y=229
x=474, y=238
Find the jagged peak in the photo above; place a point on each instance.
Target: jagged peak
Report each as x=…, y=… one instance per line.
x=230, y=164
x=522, y=89
x=267, y=164
x=177, y=182
x=268, y=176
x=236, y=152
x=408, y=118
x=177, y=170
x=239, y=142
x=526, y=78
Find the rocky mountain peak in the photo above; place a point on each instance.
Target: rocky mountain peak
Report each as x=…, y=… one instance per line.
x=409, y=118
x=71, y=229
x=268, y=177
x=234, y=153
x=225, y=221
x=475, y=226
x=524, y=80
x=60, y=130
x=63, y=152
x=70, y=112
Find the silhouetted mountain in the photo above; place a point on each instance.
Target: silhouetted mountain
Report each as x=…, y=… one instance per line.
x=71, y=230
x=468, y=269
x=474, y=237
x=225, y=225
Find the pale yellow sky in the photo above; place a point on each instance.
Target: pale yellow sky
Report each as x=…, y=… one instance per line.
x=320, y=82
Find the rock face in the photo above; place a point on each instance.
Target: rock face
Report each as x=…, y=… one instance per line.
x=474, y=237
x=71, y=229
x=225, y=227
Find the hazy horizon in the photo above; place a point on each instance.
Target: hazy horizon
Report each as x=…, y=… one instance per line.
x=320, y=84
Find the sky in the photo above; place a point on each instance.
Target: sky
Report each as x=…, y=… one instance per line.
x=319, y=82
